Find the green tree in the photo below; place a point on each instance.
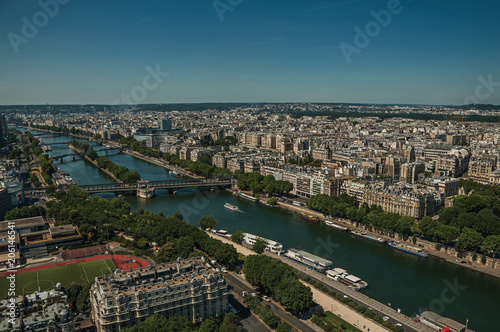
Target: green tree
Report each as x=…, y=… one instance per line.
x=83, y=300
x=272, y=201
x=259, y=246
x=153, y=323
x=167, y=253
x=284, y=327
x=207, y=222
x=50, y=190
x=237, y=237
x=209, y=325
x=469, y=239
x=492, y=242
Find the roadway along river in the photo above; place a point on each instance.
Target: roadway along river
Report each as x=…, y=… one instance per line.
x=406, y=281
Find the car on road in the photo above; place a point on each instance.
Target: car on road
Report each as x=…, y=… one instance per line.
x=265, y=298
x=254, y=295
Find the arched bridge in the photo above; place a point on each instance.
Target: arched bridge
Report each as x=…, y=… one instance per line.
x=61, y=157
x=164, y=184
x=106, y=148
x=56, y=143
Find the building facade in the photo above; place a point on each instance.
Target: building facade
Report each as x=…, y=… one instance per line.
x=403, y=199
x=186, y=287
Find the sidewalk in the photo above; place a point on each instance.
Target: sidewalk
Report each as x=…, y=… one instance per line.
x=344, y=312
x=239, y=248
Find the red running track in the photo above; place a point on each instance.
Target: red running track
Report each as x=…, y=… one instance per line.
x=122, y=262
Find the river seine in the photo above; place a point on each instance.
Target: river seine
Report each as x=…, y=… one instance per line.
x=408, y=282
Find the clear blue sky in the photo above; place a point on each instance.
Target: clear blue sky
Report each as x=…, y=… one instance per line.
x=431, y=52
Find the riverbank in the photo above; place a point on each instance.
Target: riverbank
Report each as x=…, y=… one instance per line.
x=327, y=302
x=427, y=245
x=93, y=162
x=162, y=163
x=56, y=132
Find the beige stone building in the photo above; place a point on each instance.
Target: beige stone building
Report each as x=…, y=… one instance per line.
x=406, y=200
x=189, y=288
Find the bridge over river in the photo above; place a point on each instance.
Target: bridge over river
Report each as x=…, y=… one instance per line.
x=171, y=185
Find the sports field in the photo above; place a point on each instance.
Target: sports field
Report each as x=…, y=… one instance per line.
x=48, y=278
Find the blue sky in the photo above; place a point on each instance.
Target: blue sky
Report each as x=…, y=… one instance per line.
x=431, y=52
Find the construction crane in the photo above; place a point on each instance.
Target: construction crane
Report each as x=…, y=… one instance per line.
x=458, y=117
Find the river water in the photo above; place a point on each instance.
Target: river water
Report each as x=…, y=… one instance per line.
x=408, y=282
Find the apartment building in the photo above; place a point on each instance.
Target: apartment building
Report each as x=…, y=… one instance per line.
x=303, y=187
x=235, y=165
x=219, y=160
x=403, y=199
x=354, y=188
x=448, y=165
x=410, y=171
x=185, y=153
x=40, y=311
x=446, y=185
x=456, y=139
x=250, y=166
x=333, y=185
x=268, y=141
x=480, y=170
x=322, y=154
x=186, y=287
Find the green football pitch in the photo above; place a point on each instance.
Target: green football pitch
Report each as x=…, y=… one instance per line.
x=42, y=280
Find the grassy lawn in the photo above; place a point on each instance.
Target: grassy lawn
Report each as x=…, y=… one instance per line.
x=331, y=322
x=48, y=278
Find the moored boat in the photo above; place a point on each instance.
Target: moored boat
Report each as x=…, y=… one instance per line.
x=311, y=260
x=174, y=174
x=333, y=225
x=440, y=323
x=368, y=236
x=309, y=217
x=247, y=197
x=407, y=248
x=341, y=275
x=272, y=246
x=146, y=192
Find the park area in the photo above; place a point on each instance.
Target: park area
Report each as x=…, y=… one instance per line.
x=331, y=322
x=45, y=279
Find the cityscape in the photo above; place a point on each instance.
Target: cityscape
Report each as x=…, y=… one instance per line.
x=236, y=166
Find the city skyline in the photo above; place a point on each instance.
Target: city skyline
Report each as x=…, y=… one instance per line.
x=371, y=52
